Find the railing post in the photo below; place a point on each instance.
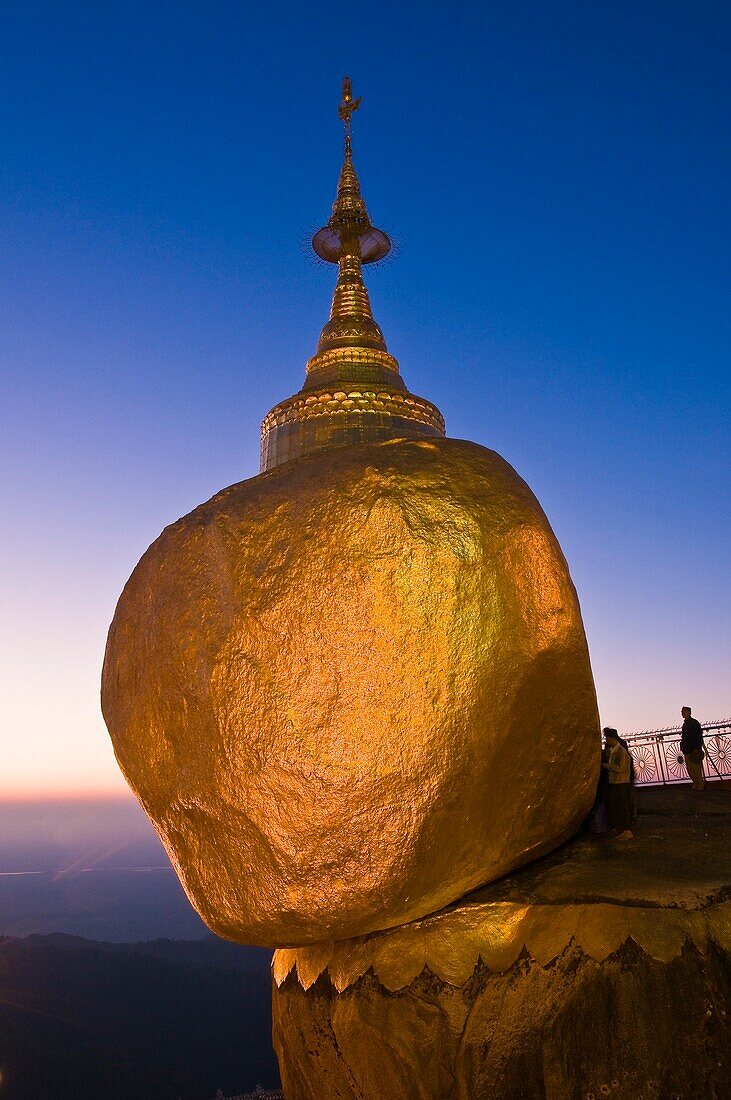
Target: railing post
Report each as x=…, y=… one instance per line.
x=659, y=749
x=713, y=763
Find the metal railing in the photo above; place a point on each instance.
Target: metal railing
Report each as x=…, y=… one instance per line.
x=659, y=762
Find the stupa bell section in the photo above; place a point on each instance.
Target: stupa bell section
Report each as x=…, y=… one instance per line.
x=353, y=391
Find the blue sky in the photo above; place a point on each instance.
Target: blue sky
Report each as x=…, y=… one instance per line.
x=556, y=177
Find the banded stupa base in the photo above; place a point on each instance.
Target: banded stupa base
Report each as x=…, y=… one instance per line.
x=343, y=416
x=602, y=970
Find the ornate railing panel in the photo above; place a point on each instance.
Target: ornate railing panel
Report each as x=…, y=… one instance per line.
x=658, y=760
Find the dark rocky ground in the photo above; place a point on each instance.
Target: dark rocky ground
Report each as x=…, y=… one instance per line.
x=680, y=855
x=630, y=1027
x=682, y=801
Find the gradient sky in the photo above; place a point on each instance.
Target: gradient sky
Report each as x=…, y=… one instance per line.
x=556, y=175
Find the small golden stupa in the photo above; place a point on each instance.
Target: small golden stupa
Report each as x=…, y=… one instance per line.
x=353, y=392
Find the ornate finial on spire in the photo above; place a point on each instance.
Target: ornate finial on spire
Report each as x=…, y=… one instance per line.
x=349, y=231
x=347, y=106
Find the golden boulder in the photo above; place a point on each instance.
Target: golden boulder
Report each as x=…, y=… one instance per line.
x=351, y=689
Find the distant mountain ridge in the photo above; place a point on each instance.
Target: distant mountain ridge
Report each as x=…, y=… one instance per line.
x=158, y=1020
x=207, y=951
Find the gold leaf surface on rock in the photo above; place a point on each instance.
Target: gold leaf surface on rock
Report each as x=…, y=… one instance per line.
x=352, y=689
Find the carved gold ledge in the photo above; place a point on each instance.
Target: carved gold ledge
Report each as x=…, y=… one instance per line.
x=353, y=398
x=451, y=944
x=369, y=357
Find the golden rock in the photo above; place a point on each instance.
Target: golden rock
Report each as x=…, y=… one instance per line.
x=352, y=689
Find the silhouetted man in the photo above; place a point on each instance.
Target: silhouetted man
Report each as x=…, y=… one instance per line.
x=619, y=802
x=691, y=746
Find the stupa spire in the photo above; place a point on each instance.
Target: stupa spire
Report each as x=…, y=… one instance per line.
x=353, y=392
x=349, y=229
x=350, y=240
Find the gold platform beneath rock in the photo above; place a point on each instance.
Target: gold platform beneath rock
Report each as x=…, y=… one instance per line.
x=601, y=971
x=669, y=885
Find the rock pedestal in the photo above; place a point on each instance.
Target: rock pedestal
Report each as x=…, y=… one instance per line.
x=601, y=971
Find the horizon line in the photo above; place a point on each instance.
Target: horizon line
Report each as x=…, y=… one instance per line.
x=73, y=795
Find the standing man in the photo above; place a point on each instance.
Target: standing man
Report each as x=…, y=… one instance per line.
x=691, y=746
x=619, y=790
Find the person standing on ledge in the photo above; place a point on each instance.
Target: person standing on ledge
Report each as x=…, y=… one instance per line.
x=691, y=746
x=619, y=792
